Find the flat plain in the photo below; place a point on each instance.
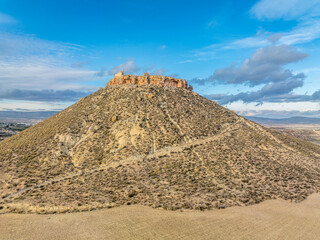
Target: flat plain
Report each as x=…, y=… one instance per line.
x=271, y=219
x=307, y=132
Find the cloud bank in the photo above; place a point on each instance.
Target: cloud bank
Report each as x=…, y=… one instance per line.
x=38, y=70
x=264, y=66
x=7, y=19
x=129, y=67
x=43, y=95
x=286, y=9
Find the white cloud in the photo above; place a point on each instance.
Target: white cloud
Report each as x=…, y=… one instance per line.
x=305, y=32
x=285, y=9
x=32, y=105
x=212, y=24
x=310, y=70
x=160, y=71
x=43, y=95
x=186, y=61
x=264, y=66
x=40, y=73
x=6, y=19
x=287, y=109
x=249, y=42
x=79, y=64
x=27, y=62
x=34, y=72
x=128, y=67
x=101, y=73
x=12, y=45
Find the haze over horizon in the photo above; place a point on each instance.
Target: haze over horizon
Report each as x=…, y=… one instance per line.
x=259, y=58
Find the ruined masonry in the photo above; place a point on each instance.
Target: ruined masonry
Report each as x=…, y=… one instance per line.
x=121, y=79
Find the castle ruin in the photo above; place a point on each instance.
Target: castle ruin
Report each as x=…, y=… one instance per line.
x=120, y=79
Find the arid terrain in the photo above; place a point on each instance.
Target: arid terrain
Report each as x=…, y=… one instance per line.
x=156, y=162
x=272, y=219
x=159, y=120
x=309, y=133
x=163, y=147
x=8, y=129
x=307, y=129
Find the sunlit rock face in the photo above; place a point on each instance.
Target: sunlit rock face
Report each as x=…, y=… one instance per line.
x=121, y=79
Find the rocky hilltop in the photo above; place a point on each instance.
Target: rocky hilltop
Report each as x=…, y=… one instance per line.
x=164, y=147
x=146, y=79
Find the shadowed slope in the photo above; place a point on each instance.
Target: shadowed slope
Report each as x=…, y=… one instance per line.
x=158, y=146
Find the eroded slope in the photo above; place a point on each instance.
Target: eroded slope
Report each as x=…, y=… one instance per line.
x=163, y=147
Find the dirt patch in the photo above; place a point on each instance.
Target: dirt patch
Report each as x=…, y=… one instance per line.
x=272, y=219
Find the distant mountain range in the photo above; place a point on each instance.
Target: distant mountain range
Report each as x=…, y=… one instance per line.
x=41, y=115
x=291, y=120
x=26, y=115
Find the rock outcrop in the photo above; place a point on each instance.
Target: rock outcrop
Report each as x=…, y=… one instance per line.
x=121, y=79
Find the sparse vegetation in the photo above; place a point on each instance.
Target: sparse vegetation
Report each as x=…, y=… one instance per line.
x=174, y=150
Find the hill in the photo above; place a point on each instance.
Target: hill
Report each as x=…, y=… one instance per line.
x=153, y=145
x=26, y=115
x=291, y=120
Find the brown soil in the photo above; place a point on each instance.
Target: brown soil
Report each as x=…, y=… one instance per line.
x=272, y=219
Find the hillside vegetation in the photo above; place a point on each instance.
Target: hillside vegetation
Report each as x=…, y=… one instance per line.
x=158, y=146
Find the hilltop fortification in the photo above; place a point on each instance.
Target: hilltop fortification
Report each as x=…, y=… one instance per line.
x=121, y=79
x=164, y=147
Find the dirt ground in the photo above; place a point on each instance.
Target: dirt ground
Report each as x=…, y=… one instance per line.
x=273, y=219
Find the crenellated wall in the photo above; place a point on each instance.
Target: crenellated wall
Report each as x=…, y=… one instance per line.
x=121, y=79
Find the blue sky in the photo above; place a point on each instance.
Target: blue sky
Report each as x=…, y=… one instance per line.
x=256, y=57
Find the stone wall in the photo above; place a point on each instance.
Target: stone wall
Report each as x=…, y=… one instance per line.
x=121, y=79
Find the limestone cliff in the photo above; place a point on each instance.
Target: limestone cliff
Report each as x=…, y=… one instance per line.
x=121, y=79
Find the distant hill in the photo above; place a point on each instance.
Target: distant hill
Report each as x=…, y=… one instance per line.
x=26, y=115
x=291, y=120
x=164, y=147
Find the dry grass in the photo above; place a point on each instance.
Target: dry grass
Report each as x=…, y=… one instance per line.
x=176, y=150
